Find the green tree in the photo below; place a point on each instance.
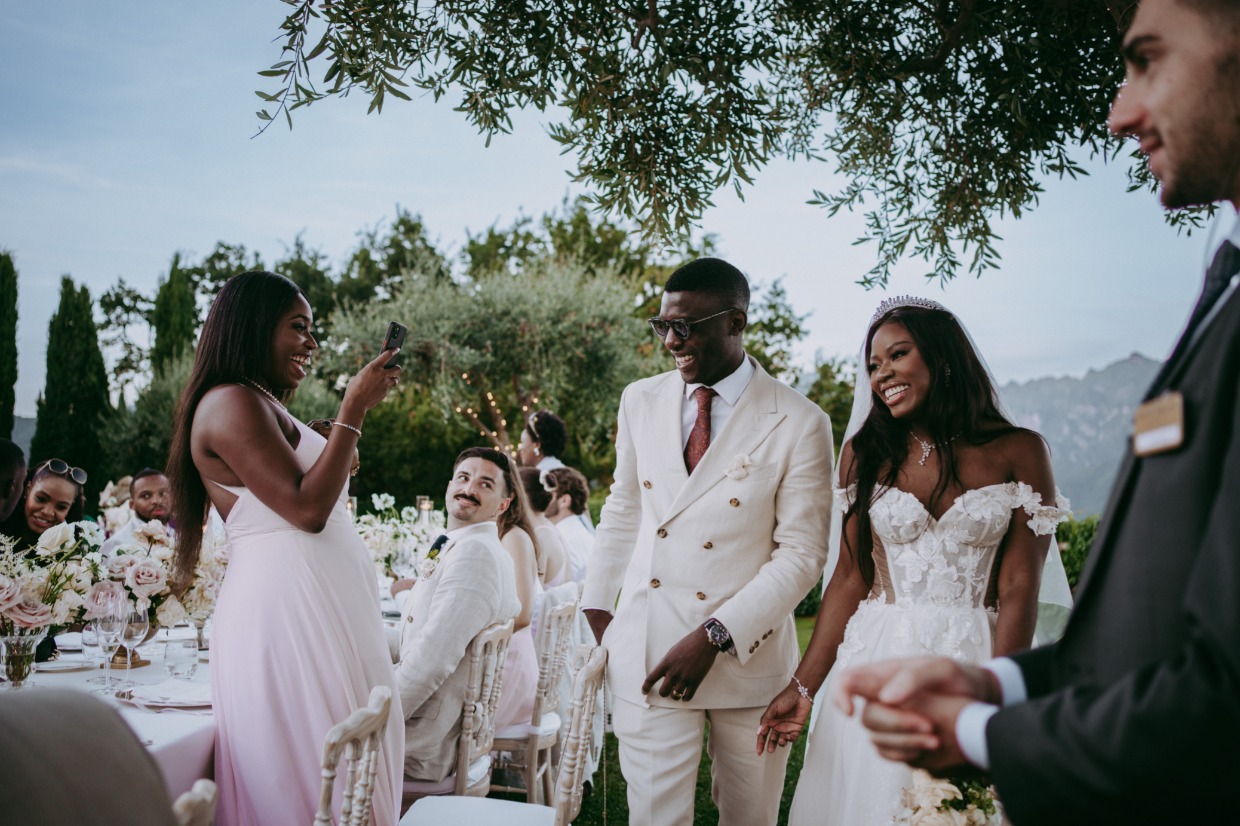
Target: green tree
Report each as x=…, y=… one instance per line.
x=140, y=437
x=73, y=408
x=832, y=390
x=124, y=333
x=174, y=317
x=484, y=353
x=940, y=116
x=8, y=342
x=773, y=328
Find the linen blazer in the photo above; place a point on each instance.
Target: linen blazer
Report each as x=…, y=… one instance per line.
x=1134, y=715
x=473, y=586
x=742, y=539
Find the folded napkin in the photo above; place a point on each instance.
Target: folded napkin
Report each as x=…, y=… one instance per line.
x=69, y=641
x=174, y=692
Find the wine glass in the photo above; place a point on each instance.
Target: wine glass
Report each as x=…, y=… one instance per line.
x=91, y=652
x=108, y=627
x=181, y=658
x=137, y=623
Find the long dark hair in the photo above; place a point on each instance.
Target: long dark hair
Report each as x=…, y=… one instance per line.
x=234, y=344
x=961, y=407
x=516, y=516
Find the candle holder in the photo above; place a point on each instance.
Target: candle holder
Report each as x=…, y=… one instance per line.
x=424, y=506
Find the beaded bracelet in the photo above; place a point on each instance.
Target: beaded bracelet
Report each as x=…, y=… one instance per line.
x=356, y=430
x=801, y=689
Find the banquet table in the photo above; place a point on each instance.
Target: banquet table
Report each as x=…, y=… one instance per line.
x=182, y=741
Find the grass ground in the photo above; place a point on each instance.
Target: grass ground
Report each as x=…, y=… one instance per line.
x=606, y=802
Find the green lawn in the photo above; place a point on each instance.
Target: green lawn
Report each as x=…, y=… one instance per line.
x=606, y=802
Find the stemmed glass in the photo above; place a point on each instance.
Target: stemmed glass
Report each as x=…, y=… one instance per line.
x=108, y=627
x=134, y=634
x=91, y=651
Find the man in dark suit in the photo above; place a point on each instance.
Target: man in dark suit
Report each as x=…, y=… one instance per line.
x=1134, y=716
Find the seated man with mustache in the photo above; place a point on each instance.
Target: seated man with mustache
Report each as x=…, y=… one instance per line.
x=466, y=584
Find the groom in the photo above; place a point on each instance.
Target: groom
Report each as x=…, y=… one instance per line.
x=1134, y=716
x=715, y=528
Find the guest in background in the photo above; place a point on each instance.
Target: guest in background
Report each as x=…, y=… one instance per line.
x=12, y=477
x=553, y=556
x=53, y=495
x=148, y=499
x=516, y=533
x=470, y=586
x=543, y=440
x=567, y=511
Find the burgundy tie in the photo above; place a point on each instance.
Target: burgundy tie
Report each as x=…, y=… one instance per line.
x=699, y=437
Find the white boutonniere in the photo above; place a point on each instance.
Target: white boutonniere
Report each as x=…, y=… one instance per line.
x=739, y=468
x=427, y=566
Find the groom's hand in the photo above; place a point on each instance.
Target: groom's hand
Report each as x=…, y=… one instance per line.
x=921, y=733
x=683, y=668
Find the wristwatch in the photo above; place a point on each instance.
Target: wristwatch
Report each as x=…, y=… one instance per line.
x=717, y=634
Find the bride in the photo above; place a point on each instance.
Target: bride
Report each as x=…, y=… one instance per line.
x=948, y=510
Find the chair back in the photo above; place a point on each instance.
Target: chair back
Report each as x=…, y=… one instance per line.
x=197, y=806
x=554, y=636
x=487, y=653
x=572, y=774
x=357, y=741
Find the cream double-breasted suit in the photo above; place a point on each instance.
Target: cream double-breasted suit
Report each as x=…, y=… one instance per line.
x=472, y=587
x=742, y=539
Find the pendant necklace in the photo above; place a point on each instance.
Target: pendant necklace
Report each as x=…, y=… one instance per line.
x=271, y=395
x=926, y=447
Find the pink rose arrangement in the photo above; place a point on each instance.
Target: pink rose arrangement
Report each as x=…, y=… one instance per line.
x=47, y=587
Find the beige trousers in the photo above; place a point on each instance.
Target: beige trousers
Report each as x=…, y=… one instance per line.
x=660, y=749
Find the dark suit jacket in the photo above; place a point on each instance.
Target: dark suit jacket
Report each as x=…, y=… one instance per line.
x=1134, y=716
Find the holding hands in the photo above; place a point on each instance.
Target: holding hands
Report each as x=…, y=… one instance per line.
x=912, y=705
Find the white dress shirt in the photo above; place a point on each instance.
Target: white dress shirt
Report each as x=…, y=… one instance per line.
x=729, y=390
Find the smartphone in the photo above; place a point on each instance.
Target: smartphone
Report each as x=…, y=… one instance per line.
x=395, y=338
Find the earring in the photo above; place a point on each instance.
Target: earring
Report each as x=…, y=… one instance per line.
x=537, y=452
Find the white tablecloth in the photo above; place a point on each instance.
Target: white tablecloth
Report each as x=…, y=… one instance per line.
x=181, y=741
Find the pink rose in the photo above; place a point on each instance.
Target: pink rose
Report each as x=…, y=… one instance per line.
x=120, y=563
x=30, y=613
x=146, y=579
x=99, y=595
x=10, y=593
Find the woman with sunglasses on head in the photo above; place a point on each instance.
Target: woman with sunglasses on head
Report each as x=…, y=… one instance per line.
x=53, y=495
x=297, y=637
x=944, y=515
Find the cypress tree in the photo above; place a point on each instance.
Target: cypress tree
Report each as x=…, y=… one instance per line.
x=8, y=343
x=174, y=317
x=73, y=409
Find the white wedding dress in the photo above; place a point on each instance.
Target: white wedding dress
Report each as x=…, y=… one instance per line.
x=930, y=585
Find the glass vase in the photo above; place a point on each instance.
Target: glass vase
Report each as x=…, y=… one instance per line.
x=18, y=650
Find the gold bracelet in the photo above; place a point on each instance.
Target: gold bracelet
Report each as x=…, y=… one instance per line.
x=356, y=430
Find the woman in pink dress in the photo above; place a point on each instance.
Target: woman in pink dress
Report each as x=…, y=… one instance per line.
x=297, y=640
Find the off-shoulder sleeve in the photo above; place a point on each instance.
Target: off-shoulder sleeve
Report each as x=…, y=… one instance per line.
x=1043, y=519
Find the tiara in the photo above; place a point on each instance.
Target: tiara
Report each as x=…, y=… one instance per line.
x=889, y=304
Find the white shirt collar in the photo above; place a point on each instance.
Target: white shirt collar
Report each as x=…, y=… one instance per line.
x=548, y=463
x=731, y=387
x=1234, y=235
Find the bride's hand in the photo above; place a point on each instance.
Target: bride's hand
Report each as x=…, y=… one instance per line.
x=372, y=382
x=783, y=720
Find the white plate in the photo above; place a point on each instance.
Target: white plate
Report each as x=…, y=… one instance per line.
x=65, y=665
x=127, y=697
x=70, y=641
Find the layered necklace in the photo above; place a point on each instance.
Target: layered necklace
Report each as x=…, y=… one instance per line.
x=271, y=395
x=926, y=447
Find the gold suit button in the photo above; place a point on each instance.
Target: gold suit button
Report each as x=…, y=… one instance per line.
x=654, y=583
x=408, y=619
x=708, y=545
x=646, y=484
x=736, y=503
x=662, y=533
x=700, y=595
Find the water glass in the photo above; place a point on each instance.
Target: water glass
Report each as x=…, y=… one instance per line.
x=92, y=652
x=181, y=658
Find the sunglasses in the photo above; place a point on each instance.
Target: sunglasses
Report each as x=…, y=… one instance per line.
x=61, y=468
x=683, y=329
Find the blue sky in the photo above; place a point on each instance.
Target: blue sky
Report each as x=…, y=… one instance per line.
x=126, y=137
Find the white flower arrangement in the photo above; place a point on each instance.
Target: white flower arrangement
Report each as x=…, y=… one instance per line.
x=398, y=541
x=934, y=801
x=739, y=468
x=48, y=588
